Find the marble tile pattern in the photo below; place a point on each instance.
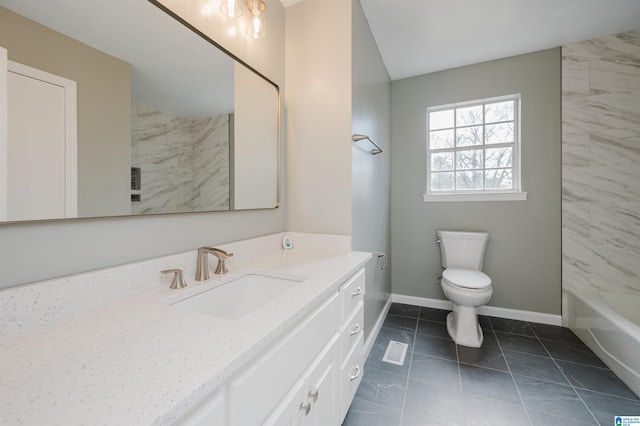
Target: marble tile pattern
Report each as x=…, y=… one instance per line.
x=32, y=305
x=140, y=361
x=184, y=162
x=211, y=164
x=601, y=163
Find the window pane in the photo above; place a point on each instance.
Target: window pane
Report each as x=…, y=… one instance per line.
x=442, y=181
x=469, y=116
x=441, y=119
x=498, y=157
x=441, y=139
x=469, y=180
x=500, y=133
x=500, y=111
x=442, y=161
x=499, y=179
x=469, y=136
x=471, y=159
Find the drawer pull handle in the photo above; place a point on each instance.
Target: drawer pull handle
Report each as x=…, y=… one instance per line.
x=306, y=407
x=357, y=291
x=313, y=394
x=352, y=377
x=355, y=330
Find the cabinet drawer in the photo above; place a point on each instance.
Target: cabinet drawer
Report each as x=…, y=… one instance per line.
x=351, y=293
x=351, y=373
x=351, y=330
x=266, y=381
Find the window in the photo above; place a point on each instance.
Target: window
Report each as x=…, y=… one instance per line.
x=473, y=150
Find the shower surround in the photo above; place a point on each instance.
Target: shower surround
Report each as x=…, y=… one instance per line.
x=184, y=162
x=601, y=164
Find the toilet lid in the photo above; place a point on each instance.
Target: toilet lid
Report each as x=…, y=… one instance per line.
x=466, y=278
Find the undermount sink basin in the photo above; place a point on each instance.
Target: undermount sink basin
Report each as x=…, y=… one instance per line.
x=239, y=297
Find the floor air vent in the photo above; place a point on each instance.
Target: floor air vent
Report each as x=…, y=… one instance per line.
x=395, y=353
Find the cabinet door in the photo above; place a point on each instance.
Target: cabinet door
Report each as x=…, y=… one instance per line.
x=322, y=387
x=313, y=400
x=290, y=411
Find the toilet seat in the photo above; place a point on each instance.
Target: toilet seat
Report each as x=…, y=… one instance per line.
x=466, y=278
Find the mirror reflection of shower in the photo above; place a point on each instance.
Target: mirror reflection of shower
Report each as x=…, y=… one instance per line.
x=183, y=162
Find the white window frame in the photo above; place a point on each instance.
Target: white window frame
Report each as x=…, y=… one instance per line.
x=515, y=193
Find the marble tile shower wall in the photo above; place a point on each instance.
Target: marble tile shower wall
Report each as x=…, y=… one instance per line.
x=601, y=163
x=184, y=163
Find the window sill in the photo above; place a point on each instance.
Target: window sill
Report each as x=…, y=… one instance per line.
x=486, y=196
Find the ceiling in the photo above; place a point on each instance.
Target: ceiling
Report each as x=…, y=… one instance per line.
x=422, y=36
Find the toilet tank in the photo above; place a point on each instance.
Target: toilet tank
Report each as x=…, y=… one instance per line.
x=462, y=249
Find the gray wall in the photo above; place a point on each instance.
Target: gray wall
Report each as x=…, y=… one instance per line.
x=370, y=178
x=524, y=254
x=42, y=250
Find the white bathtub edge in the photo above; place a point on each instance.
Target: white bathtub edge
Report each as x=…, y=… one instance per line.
x=617, y=323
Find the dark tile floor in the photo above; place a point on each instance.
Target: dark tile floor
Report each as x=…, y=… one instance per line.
x=524, y=374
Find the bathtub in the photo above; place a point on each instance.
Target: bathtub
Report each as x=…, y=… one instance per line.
x=609, y=323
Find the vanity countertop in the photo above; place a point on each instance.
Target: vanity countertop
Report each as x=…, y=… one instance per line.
x=141, y=361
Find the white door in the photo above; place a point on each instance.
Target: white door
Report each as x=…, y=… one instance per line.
x=40, y=152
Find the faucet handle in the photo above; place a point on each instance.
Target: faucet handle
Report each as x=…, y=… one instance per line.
x=221, y=254
x=178, y=279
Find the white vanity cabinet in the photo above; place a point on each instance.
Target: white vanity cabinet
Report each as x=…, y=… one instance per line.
x=351, y=339
x=324, y=394
x=255, y=392
x=308, y=378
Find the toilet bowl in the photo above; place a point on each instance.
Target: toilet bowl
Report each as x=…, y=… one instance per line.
x=464, y=283
x=467, y=290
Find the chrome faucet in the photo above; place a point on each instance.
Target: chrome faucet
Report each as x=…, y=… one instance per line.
x=222, y=256
x=202, y=267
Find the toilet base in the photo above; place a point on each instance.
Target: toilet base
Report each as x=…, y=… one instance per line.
x=463, y=327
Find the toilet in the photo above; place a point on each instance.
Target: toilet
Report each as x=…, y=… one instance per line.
x=464, y=283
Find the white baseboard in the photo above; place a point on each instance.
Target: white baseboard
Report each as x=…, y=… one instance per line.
x=540, y=317
x=368, y=345
x=422, y=301
x=492, y=311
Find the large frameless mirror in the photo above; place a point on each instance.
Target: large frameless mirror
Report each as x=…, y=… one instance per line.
x=116, y=108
